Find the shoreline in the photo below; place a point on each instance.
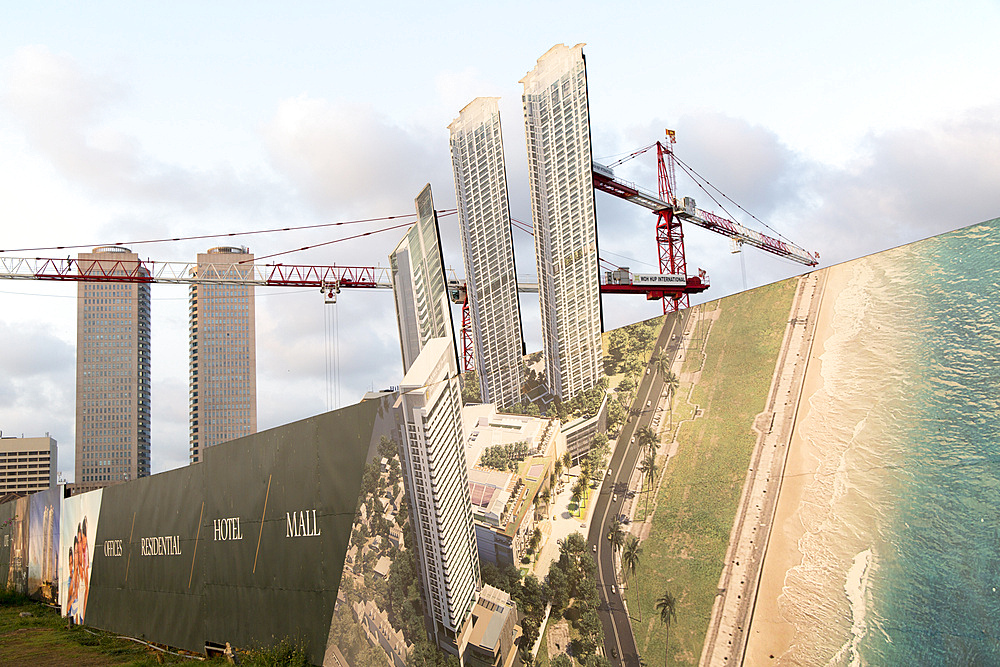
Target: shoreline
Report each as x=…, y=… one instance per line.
x=770, y=635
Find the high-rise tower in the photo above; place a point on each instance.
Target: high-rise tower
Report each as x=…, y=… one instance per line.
x=431, y=451
x=223, y=356
x=112, y=371
x=437, y=482
x=481, y=193
x=560, y=173
x=418, y=283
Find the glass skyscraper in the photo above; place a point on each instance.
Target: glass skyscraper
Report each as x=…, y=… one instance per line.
x=112, y=370
x=223, y=357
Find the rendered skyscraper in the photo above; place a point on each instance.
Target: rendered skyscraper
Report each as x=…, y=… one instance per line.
x=418, y=283
x=112, y=372
x=431, y=451
x=488, y=249
x=223, y=357
x=437, y=483
x=560, y=173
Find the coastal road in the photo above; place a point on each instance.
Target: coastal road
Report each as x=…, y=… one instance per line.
x=619, y=643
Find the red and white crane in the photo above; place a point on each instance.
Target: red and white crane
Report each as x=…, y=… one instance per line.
x=670, y=212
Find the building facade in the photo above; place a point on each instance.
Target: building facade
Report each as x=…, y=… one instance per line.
x=27, y=465
x=484, y=220
x=437, y=485
x=560, y=173
x=418, y=283
x=223, y=351
x=112, y=370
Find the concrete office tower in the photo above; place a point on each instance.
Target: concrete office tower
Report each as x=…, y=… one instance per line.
x=223, y=351
x=484, y=216
x=432, y=458
x=112, y=370
x=27, y=465
x=418, y=283
x=557, y=125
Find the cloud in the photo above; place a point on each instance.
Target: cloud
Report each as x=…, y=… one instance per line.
x=345, y=157
x=909, y=184
x=62, y=111
x=37, y=386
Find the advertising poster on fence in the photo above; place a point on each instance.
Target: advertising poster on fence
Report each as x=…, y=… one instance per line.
x=43, y=544
x=78, y=527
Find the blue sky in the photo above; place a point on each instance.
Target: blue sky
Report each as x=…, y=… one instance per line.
x=849, y=128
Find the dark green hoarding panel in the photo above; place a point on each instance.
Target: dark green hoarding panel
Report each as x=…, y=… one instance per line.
x=281, y=505
x=247, y=547
x=146, y=570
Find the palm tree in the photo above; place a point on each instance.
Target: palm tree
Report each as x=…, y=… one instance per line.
x=667, y=606
x=617, y=536
x=672, y=382
x=630, y=562
x=651, y=470
x=648, y=440
x=662, y=363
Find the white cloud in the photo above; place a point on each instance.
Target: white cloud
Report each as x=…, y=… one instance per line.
x=347, y=158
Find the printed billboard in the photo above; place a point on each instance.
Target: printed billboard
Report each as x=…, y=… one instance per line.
x=43, y=544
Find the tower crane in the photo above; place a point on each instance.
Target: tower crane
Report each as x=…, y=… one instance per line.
x=670, y=212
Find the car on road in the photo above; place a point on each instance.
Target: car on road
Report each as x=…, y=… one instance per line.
x=614, y=591
x=614, y=652
x=595, y=548
x=614, y=497
x=648, y=403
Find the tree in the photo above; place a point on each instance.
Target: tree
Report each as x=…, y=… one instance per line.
x=667, y=606
x=567, y=461
x=617, y=537
x=671, y=382
x=651, y=470
x=648, y=439
x=561, y=661
x=470, y=387
x=630, y=563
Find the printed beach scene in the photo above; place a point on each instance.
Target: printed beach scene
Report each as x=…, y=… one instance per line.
x=884, y=545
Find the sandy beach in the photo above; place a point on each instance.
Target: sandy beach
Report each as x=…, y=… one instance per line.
x=770, y=635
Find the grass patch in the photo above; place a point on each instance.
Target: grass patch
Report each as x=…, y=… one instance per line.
x=43, y=638
x=698, y=499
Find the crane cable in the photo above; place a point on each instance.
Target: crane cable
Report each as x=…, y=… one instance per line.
x=331, y=324
x=696, y=177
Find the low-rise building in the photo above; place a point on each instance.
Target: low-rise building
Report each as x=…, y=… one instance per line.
x=579, y=433
x=380, y=632
x=27, y=465
x=507, y=505
x=493, y=639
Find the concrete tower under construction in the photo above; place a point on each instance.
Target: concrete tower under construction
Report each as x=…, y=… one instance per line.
x=481, y=193
x=560, y=173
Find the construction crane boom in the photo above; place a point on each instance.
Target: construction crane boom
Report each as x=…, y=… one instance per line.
x=606, y=181
x=189, y=273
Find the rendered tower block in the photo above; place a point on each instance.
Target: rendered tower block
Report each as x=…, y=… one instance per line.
x=432, y=458
x=488, y=249
x=560, y=168
x=418, y=283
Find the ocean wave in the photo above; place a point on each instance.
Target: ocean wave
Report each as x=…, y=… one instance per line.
x=856, y=588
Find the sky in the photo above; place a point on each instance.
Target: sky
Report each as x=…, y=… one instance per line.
x=847, y=128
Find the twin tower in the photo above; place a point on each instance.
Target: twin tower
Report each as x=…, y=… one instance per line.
x=557, y=128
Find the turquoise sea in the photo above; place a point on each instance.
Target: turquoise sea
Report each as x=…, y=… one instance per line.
x=901, y=554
